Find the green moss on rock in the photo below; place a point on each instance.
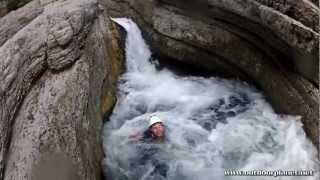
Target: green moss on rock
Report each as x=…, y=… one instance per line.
x=15, y=4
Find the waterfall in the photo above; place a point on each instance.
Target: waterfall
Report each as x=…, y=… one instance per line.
x=212, y=125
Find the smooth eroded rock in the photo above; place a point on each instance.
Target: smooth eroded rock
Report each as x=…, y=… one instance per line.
x=58, y=68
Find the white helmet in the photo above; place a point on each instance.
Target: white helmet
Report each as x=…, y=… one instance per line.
x=153, y=120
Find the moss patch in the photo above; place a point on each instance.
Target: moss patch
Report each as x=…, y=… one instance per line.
x=3, y=11
x=114, y=63
x=15, y=4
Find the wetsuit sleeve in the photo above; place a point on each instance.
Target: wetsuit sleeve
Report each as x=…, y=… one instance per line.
x=146, y=135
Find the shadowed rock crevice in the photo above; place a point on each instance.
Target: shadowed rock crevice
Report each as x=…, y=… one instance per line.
x=10, y=5
x=282, y=30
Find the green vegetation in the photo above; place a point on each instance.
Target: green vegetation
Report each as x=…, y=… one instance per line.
x=15, y=4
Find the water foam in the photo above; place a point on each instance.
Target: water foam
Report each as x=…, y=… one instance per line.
x=212, y=124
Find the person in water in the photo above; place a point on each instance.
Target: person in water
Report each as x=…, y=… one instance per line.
x=156, y=130
x=154, y=133
x=150, y=147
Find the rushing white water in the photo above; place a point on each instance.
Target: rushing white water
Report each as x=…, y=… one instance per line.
x=212, y=125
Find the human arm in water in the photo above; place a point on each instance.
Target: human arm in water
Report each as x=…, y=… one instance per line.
x=137, y=136
x=141, y=135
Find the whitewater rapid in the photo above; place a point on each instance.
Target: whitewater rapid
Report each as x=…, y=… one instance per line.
x=212, y=125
